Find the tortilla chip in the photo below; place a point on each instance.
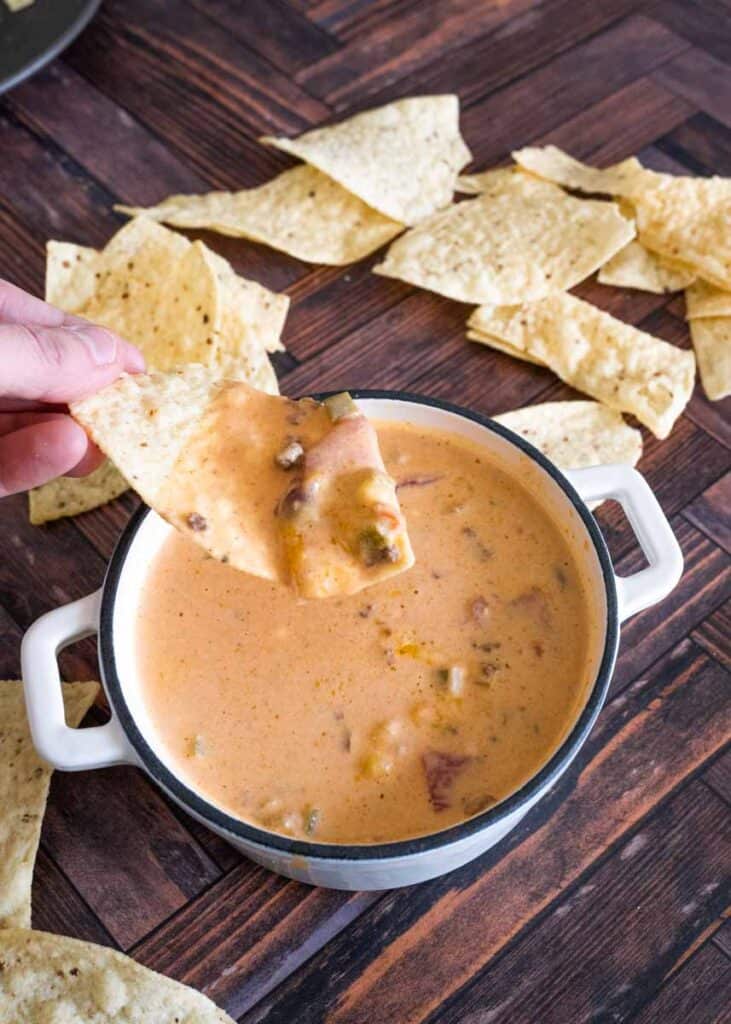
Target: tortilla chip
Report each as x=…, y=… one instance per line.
x=637, y=267
x=52, y=979
x=688, y=219
x=476, y=184
x=502, y=346
x=205, y=454
x=24, y=779
x=704, y=300
x=18, y=5
x=175, y=299
x=301, y=212
x=576, y=434
x=554, y=165
x=624, y=368
x=712, y=343
x=70, y=275
x=516, y=241
x=401, y=159
x=70, y=496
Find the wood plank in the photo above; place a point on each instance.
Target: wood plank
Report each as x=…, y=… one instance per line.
x=698, y=993
x=10, y=634
x=420, y=946
x=617, y=935
x=714, y=634
x=38, y=174
x=115, y=150
x=718, y=776
x=701, y=79
x=393, y=48
x=509, y=118
x=126, y=855
x=251, y=930
x=346, y=18
x=701, y=143
x=513, y=49
x=55, y=564
x=703, y=22
x=272, y=28
x=705, y=584
x=205, y=93
x=390, y=350
x=620, y=124
x=722, y=938
x=58, y=908
x=331, y=303
x=22, y=253
x=709, y=512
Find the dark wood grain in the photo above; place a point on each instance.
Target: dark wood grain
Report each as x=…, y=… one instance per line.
x=126, y=854
x=631, y=917
x=606, y=903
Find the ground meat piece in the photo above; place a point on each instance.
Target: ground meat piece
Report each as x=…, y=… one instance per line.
x=196, y=522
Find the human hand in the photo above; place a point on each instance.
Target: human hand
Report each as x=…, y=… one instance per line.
x=47, y=359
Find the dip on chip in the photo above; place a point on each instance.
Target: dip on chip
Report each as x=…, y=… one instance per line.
x=301, y=212
x=401, y=159
x=623, y=367
x=637, y=267
x=24, y=780
x=53, y=978
x=518, y=240
x=290, y=491
x=576, y=434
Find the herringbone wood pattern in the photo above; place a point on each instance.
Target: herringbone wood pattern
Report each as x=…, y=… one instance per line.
x=607, y=904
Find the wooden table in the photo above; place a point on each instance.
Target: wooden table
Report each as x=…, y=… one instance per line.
x=607, y=903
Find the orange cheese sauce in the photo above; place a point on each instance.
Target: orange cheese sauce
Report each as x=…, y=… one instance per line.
x=394, y=712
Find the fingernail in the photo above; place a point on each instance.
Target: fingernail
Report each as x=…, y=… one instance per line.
x=101, y=343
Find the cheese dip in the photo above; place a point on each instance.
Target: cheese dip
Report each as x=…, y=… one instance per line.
x=394, y=712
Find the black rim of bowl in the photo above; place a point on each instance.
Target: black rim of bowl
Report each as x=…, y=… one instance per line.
x=553, y=768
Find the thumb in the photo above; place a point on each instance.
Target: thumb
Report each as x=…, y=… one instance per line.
x=63, y=363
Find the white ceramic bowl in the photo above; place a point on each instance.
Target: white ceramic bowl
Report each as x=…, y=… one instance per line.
x=129, y=737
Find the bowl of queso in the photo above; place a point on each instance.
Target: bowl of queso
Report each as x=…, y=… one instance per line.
x=389, y=736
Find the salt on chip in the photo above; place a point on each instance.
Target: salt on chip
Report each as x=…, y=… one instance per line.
x=711, y=338
x=624, y=368
x=637, y=267
x=401, y=159
x=24, y=780
x=72, y=495
x=705, y=300
x=576, y=434
x=301, y=212
x=53, y=979
x=554, y=165
x=519, y=239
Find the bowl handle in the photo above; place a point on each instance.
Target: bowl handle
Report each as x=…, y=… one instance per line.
x=624, y=484
x=68, y=749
